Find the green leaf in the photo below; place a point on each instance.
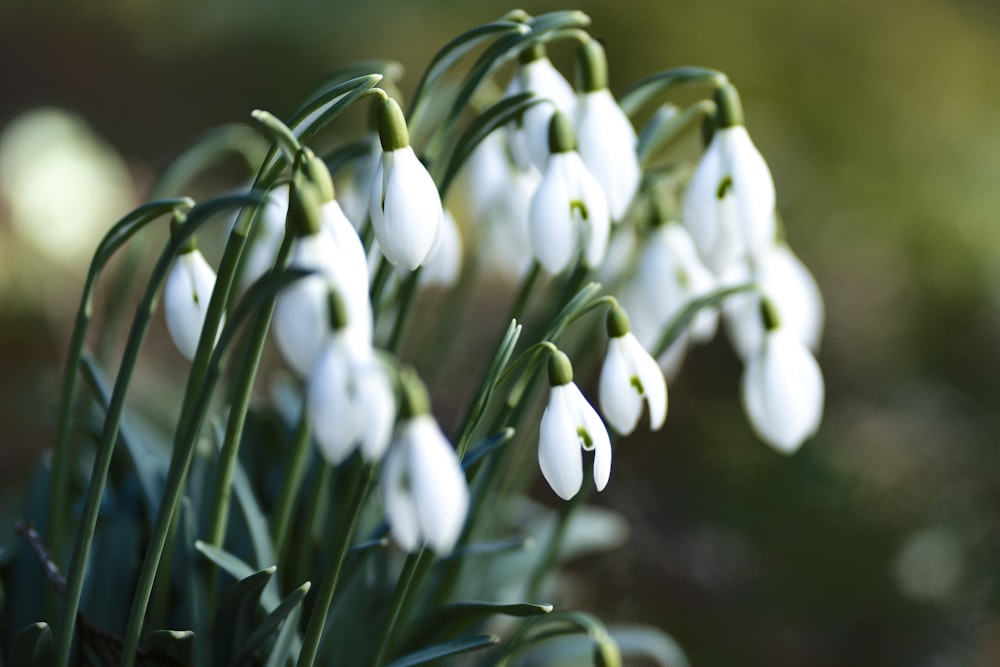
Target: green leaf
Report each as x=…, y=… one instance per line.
x=667, y=126
x=463, y=614
x=176, y=645
x=33, y=646
x=287, y=643
x=487, y=446
x=232, y=565
x=235, y=617
x=271, y=623
x=446, y=649
x=498, y=548
x=644, y=91
x=684, y=318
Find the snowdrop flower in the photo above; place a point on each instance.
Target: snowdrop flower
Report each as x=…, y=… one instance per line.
x=404, y=203
x=424, y=489
x=729, y=203
x=529, y=136
x=266, y=236
x=331, y=248
x=354, y=190
x=629, y=377
x=349, y=395
x=185, y=300
x=568, y=212
x=570, y=425
x=782, y=388
x=607, y=140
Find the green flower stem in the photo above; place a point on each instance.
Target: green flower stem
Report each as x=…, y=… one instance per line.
x=113, y=240
x=109, y=435
x=197, y=395
x=548, y=559
x=414, y=569
x=324, y=597
x=403, y=310
x=691, y=117
x=236, y=138
x=282, y=518
x=312, y=522
x=662, y=83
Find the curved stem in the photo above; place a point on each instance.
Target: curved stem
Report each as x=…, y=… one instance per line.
x=411, y=573
x=328, y=588
x=661, y=83
x=282, y=523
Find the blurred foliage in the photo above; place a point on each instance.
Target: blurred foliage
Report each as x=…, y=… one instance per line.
x=879, y=122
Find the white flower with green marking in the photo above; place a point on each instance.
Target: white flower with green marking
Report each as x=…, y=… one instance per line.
x=569, y=426
x=529, y=135
x=629, y=378
x=185, y=300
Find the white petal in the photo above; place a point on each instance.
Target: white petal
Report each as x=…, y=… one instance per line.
x=377, y=409
x=399, y=508
x=587, y=417
x=543, y=79
x=607, y=144
x=654, y=385
x=752, y=188
x=795, y=294
x=551, y=227
x=559, y=455
x=782, y=392
x=596, y=228
x=620, y=399
x=266, y=236
x=444, y=264
x=440, y=492
x=332, y=408
x=301, y=316
x=186, y=296
x=406, y=211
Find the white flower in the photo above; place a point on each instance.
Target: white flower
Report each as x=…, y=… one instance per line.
x=266, y=236
x=354, y=188
x=729, y=203
x=782, y=391
x=350, y=400
x=185, y=300
x=629, y=376
x=405, y=208
x=529, y=137
x=424, y=488
x=785, y=280
x=444, y=264
x=301, y=318
x=608, y=148
x=569, y=425
x=568, y=212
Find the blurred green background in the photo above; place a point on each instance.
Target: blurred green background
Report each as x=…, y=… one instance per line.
x=877, y=544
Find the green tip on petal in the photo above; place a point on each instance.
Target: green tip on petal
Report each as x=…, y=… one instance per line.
x=338, y=310
x=592, y=66
x=314, y=169
x=416, y=401
x=189, y=244
x=769, y=314
x=730, y=108
x=618, y=324
x=662, y=207
x=562, y=138
x=560, y=369
x=392, y=130
x=535, y=51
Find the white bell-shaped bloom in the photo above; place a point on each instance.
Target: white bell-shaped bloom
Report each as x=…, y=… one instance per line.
x=350, y=399
x=529, y=136
x=568, y=212
x=729, y=203
x=785, y=280
x=782, y=391
x=424, y=489
x=444, y=264
x=570, y=425
x=629, y=377
x=670, y=276
x=185, y=300
x=355, y=185
x=405, y=208
x=302, y=318
x=608, y=148
x=265, y=239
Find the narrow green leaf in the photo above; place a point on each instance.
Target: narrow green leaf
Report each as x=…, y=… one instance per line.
x=235, y=617
x=260, y=535
x=288, y=643
x=665, y=127
x=684, y=318
x=176, y=645
x=446, y=649
x=487, y=446
x=270, y=623
x=32, y=646
x=645, y=90
x=498, y=548
x=232, y=565
x=463, y=614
